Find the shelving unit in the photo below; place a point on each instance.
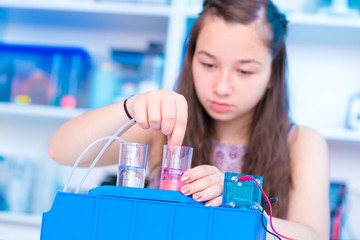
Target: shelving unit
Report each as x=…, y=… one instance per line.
x=10, y=223
x=103, y=25
x=90, y=7
x=345, y=135
x=36, y=111
x=20, y=218
x=168, y=22
x=324, y=20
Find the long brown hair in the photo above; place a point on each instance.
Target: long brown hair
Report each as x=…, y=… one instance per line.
x=267, y=152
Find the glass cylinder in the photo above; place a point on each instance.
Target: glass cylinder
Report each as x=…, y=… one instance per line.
x=132, y=165
x=176, y=161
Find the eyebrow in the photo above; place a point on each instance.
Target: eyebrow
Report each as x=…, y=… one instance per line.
x=240, y=61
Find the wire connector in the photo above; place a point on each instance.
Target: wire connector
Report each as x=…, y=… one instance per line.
x=245, y=178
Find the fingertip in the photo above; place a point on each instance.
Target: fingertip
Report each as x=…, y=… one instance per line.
x=216, y=202
x=185, y=178
x=173, y=140
x=143, y=124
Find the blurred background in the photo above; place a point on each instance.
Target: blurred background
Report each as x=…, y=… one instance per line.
x=61, y=58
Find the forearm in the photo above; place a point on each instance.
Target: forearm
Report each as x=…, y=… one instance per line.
x=75, y=135
x=295, y=231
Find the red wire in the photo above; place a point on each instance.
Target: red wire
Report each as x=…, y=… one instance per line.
x=244, y=178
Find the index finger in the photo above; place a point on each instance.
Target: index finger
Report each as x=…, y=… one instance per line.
x=177, y=135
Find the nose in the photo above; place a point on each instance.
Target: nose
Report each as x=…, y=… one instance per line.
x=223, y=85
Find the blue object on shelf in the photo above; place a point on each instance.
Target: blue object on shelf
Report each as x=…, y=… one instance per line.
x=353, y=112
x=127, y=73
x=125, y=213
x=241, y=194
x=6, y=75
x=338, y=193
x=44, y=74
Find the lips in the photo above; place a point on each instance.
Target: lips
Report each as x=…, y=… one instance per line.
x=220, y=107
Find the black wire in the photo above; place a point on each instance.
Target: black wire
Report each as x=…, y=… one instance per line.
x=271, y=200
x=262, y=217
x=262, y=222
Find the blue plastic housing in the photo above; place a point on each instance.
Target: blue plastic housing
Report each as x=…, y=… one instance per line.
x=241, y=194
x=126, y=213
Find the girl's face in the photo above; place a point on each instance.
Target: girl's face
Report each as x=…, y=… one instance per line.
x=231, y=69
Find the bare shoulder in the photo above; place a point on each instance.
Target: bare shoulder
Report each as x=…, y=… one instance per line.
x=308, y=154
x=306, y=140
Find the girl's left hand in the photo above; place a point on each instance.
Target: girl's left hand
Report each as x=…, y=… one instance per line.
x=205, y=184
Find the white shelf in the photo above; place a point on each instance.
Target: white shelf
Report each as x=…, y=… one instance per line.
x=320, y=19
x=20, y=219
x=324, y=20
x=89, y=6
x=340, y=134
x=22, y=110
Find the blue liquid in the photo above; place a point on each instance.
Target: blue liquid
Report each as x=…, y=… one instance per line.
x=131, y=177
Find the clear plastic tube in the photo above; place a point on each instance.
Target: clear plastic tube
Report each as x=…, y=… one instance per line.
x=110, y=139
x=119, y=132
x=83, y=153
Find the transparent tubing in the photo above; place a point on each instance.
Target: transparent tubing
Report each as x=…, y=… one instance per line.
x=84, y=152
x=110, y=139
x=119, y=132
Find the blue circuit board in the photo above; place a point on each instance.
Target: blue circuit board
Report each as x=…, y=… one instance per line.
x=241, y=194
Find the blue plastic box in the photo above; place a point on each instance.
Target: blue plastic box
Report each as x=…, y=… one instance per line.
x=47, y=75
x=125, y=213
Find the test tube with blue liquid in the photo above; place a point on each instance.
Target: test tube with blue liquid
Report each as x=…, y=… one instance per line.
x=132, y=164
x=176, y=161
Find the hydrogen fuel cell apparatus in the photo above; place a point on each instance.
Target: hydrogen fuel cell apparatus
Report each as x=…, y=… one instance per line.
x=128, y=213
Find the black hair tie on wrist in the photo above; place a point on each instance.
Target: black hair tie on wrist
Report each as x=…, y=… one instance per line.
x=126, y=111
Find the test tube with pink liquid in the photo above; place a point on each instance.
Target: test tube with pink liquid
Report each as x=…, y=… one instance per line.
x=176, y=161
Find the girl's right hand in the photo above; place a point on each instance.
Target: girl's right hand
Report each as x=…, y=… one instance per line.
x=163, y=110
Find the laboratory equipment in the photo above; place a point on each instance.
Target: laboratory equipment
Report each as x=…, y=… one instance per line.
x=241, y=194
x=124, y=213
x=132, y=164
x=112, y=212
x=176, y=161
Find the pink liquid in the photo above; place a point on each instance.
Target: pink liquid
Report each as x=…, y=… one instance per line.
x=171, y=179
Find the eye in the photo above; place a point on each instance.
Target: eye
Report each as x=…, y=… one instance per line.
x=208, y=65
x=243, y=72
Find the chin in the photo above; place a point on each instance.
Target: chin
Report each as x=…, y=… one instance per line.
x=219, y=116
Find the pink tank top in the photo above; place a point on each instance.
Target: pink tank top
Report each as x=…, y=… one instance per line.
x=228, y=157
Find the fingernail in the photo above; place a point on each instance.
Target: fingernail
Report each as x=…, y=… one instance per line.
x=208, y=204
x=196, y=196
x=185, y=190
x=185, y=178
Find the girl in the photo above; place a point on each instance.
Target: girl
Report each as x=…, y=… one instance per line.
x=231, y=106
